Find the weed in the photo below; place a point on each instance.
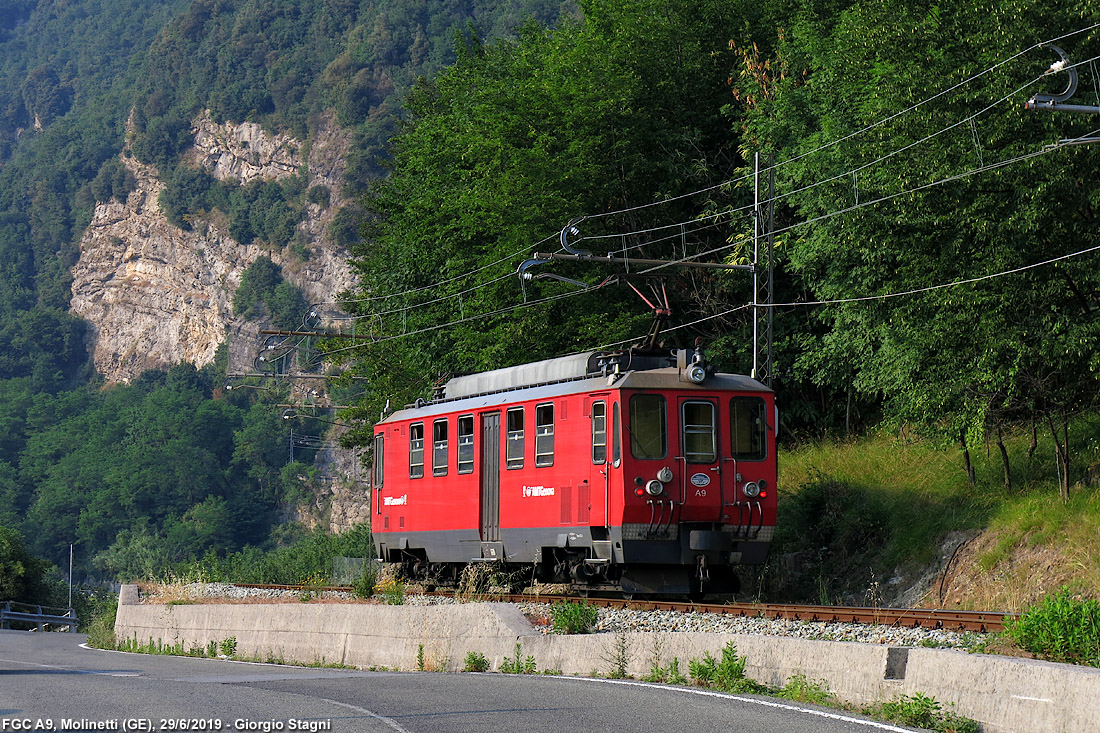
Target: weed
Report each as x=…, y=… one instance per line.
x=922, y=711
x=801, y=689
x=312, y=586
x=657, y=673
x=101, y=629
x=476, y=662
x=475, y=581
x=420, y=657
x=574, y=618
x=518, y=665
x=393, y=591
x=229, y=647
x=726, y=674
x=618, y=656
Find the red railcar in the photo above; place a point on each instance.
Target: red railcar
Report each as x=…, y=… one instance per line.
x=646, y=474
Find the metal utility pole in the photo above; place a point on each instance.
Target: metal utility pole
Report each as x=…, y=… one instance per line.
x=763, y=228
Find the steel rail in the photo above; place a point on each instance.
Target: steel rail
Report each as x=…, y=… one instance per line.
x=927, y=618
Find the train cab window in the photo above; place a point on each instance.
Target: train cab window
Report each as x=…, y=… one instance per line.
x=440, y=448
x=416, y=450
x=616, y=440
x=379, y=454
x=544, y=435
x=648, y=426
x=599, y=432
x=748, y=428
x=466, y=444
x=515, y=437
x=700, y=432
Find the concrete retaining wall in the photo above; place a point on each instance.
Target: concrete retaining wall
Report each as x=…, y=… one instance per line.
x=1005, y=694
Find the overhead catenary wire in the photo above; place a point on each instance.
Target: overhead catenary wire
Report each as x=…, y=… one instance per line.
x=856, y=133
x=862, y=204
x=728, y=213
x=714, y=218
x=882, y=199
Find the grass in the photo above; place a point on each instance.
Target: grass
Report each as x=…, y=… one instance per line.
x=857, y=514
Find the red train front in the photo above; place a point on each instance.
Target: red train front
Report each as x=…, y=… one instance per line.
x=640, y=473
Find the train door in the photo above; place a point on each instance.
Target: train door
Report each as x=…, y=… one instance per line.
x=490, y=477
x=598, y=485
x=701, y=476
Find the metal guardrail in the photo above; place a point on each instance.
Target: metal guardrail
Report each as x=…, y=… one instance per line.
x=39, y=616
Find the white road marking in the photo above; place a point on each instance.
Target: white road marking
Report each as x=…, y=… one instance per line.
x=391, y=723
x=753, y=701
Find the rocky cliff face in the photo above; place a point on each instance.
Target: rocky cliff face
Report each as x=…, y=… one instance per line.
x=155, y=294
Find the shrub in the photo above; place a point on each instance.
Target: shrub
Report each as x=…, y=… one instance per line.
x=1060, y=628
x=364, y=587
x=574, y=618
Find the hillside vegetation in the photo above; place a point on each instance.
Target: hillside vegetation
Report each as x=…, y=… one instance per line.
x=893, y=520
x=171, y=467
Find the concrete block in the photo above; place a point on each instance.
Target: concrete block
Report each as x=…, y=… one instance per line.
x=1006, y=695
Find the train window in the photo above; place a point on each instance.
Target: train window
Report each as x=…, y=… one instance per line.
x=616, y=440
x=416, y=450
x=648, y=426
x=466, y=444
x=748, y=426
x=515, y=438
x=599, y=432
x=379, y=454
x=544, y=435
x=700, y=432
x=440, y=447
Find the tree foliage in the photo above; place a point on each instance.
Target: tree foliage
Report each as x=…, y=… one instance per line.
x=503, y=149
x=938, y=179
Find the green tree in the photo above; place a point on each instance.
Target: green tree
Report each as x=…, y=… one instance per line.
x=959, y=362
x=510, y=144
x=22, y=575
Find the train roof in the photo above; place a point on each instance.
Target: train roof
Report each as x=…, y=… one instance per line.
x=588, y=372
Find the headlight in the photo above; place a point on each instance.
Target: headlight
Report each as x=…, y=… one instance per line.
x=751, y=489
x=654, y=488
x=696, y=373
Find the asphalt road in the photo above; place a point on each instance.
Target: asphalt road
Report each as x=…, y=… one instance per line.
x=49, y=682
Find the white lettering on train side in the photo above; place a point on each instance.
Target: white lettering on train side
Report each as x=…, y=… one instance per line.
x=538, y=490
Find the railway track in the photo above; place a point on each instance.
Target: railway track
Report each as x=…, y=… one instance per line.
x=927, y=618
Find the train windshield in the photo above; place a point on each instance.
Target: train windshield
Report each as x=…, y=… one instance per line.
x=748, y=428
x=648, y=426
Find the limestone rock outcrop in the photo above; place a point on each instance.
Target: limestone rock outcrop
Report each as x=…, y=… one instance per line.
x=155, y=294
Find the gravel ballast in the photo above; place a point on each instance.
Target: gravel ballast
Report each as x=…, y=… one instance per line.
x=625, y=620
